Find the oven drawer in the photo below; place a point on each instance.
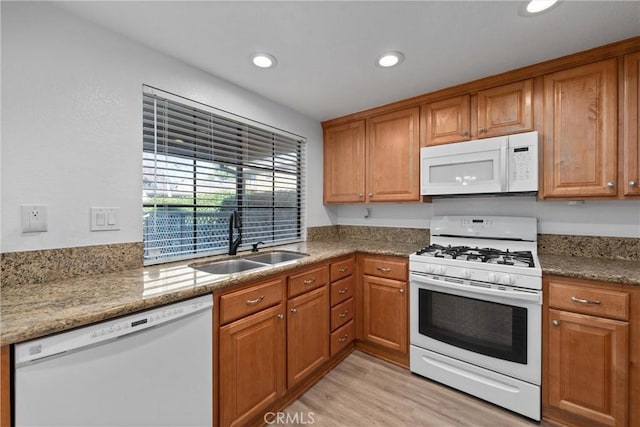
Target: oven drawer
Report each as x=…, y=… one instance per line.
x=572, y=296
x=251, y=300
x=341, y=290
x=385, y=267
x=308, y=280
x=342, y=337
x=342, y=269
x=341, y=314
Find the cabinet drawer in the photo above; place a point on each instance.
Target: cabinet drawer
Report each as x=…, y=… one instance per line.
x=391, y=269
x=307, y=280
x=582, y=299
x=342, y=269
x=341, y=314
x=342, y=337
x=251, y=300
x=341, y=290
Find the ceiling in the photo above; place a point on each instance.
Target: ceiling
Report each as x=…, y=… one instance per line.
x=326, y=49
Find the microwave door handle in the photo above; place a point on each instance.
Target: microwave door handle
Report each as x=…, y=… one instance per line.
x=504, y=166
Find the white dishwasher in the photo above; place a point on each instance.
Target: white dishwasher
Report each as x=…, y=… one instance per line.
x=152, y=368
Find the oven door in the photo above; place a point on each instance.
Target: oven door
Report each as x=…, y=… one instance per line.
x=471, y=167
x=498, y=329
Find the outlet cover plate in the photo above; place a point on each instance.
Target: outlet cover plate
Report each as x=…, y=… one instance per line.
x=34, y=218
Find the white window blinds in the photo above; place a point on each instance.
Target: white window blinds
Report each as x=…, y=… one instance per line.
x=200, y=164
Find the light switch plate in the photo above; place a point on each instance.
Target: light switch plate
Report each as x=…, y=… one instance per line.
x=34, y=218
x=105, y=219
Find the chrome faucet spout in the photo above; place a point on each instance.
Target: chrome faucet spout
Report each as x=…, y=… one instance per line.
x=234, y=222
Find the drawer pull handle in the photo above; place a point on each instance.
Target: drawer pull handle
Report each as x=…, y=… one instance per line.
x=343, y=269
x=309, y=281
x=343, y=314
x=343, y=338
x=585, y=301
x=255, y=301
x=383, y=269
x=343, y=291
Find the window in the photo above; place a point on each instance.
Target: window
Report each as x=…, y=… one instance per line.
x=200, y=164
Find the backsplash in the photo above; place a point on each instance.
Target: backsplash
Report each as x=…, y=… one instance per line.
x=357, y=232
x=625, y=248
x=55, y=264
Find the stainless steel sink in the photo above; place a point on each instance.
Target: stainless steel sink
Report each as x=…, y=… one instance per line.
x=229, y=266
x=275, y=257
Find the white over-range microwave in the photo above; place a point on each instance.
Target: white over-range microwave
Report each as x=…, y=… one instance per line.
x=505, y=164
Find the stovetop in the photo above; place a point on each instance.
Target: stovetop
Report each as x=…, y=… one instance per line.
x=478, y=254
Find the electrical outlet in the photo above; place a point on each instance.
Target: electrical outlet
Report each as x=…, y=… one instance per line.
x=34, y=218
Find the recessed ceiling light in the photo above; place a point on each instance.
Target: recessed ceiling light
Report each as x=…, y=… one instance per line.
x=390, y=59
x=537, y=6
x=264, y=60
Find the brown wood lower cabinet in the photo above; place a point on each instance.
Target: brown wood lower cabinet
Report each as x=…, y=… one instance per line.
x=252, y=365
x=382, y=326
x=590, y=369
x=5, y=387
x=307, y=334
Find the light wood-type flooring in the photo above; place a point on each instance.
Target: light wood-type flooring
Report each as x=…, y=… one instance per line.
x=363, y=391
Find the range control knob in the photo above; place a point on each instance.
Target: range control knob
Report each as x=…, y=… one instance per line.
x=466, y=273
x=493, y=277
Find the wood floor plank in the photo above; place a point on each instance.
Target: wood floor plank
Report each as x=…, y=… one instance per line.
x=367, y=392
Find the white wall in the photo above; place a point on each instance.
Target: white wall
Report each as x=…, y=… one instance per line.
x=72, y=125
x=620, y=218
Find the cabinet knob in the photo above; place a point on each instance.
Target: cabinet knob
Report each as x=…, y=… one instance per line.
x=633, y=184
x=401, y=291
x=370, y=194
x=611, y=184
x=280, y=316
x=482, y=130
x=555, y=323
x=464, y=133
x=360, y=194
x=294, y=310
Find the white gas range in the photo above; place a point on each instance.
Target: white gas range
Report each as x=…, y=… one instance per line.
x=476, y=306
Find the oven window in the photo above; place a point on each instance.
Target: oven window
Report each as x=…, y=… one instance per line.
x=489, y=328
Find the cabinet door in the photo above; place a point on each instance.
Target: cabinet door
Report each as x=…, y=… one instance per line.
x=252, y=365
x=5, y=387
x=307, y=333
x=631, y=110
x=580, y=127
x=505, y=109
x=393, y=157
x=588, y=367
x=385, y=313
x=447, y=121
x=344, y=163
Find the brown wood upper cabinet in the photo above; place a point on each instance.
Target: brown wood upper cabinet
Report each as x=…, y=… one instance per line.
x=492, y=112
x=344, y=163
x=580, y=132
x=630, y=152
x=379, y=165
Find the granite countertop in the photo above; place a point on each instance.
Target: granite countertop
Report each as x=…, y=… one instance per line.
x=35, y=310
x=602, y=269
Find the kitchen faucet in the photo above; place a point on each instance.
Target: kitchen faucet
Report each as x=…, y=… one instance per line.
x=234, y=222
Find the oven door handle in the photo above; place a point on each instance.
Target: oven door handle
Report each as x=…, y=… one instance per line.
x=529, y=296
